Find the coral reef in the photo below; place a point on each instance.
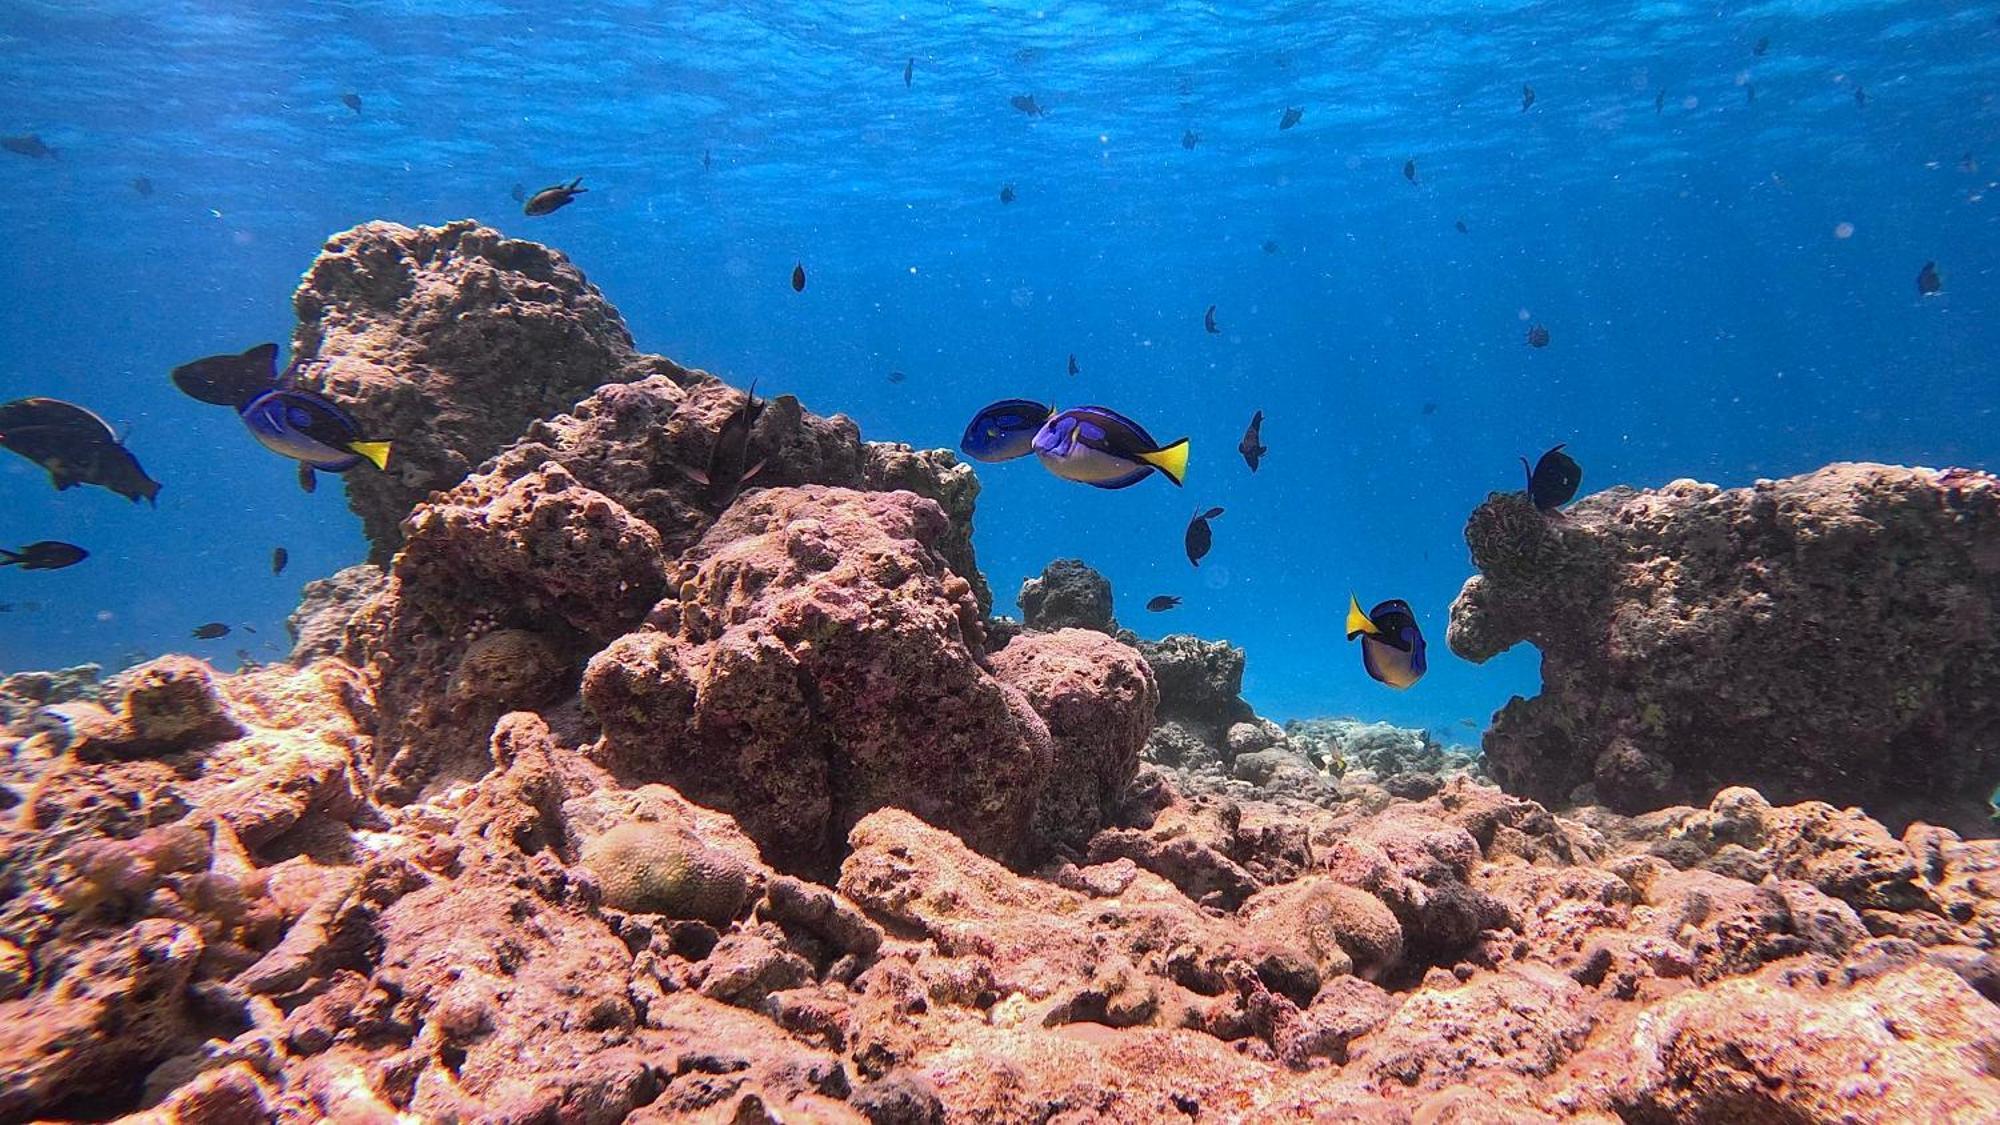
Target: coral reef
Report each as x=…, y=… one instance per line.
x=1826, y=636
x=596, y=804
x=1067, y=595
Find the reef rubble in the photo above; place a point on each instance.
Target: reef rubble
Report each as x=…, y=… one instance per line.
x=596, y=803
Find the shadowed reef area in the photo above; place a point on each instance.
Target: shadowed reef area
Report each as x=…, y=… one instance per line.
x=596, y=796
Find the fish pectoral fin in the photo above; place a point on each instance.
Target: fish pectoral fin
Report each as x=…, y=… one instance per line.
x=699, y=476
x=1357, y=621
x=752, y=471
x=377, y=452
x=1171, y=460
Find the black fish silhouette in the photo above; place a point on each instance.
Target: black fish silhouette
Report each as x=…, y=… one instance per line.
x=279, y=558
x=1252, y=447
x=1072, y=363
x=1006, y=193
x=29, y=145
x=1270, y=246
x=1190, y=139
x=229, y=380
x=142, y=185
x=308, y=483
x=75, y=446
x=729, y=465
x=1410, y=170
x=1538, y=337
x=1026, y=104
x=909, y=72
x=1199, y=537
x=799, y=278
x=1162, y=603
x=551, y=199
x=1860, y=98
x=1208, y=320
x=49, y=554
x=211, y=631
x=1762, y=45
x=1527, y=97
x=1291, y=117
x=1929, y=284
x=351, y=101
x=1460, y=225
x=1553, y=480
x=1659, y=102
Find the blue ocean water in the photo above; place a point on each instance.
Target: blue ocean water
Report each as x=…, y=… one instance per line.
x=1729, y=283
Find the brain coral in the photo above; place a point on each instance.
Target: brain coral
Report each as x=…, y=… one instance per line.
x=649, y=867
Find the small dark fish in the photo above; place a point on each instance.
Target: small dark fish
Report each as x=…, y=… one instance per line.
x=49, y=554
x=1552, y=482
x=1291, y=117
x=1162, y=603
x=1270, y=246
x=799, y=278
x=75, y=446
x=212, y=631
x=1460, y=227
x=1004, y=430
x=1072, y=363
x=1860, y=97
x=1659, y=102
x=1430, y=408
x=552, y=199
x=229, y=380
x=1749, y=93
x=1026, y=104
x=1929, y=284
x=897, y=376
x=311, y=429
x=1538, y=337
x=143, y=186
x=1410, y=170
x=1252, y=447
x=707, y=159
x=279, y=557
x=1006, y=193
x=519, y=192
x=1392, y=647
x=1527, y=97
x=30, y=146
x=1190, y=139
x=308, y=483
x=1199, y=538
x=1208, y=321
x=729, y=464
x=1762, y=45
x=909, y=72
x=1967, y=164
x=351, y=101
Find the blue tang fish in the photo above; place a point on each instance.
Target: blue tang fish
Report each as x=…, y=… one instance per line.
x=1392, y=647
x=1004, y=430
x=1098, y=446
x=309, y=429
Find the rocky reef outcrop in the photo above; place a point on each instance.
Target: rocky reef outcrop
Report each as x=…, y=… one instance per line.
x=1830, y=636
x=601, y=803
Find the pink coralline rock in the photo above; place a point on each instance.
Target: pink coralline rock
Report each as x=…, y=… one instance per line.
x=821, y=661
x=1097, y=696
x=448, y=341
x=1523, y=1021
x=1826, y=636
x=1915, y=1045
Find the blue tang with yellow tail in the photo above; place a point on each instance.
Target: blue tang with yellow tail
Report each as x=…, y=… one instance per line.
x=1004, y=430
x=1098, y=446
x=1392, y=647
x=311, y=430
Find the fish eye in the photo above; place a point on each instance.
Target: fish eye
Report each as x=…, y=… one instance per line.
x=993, y=431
